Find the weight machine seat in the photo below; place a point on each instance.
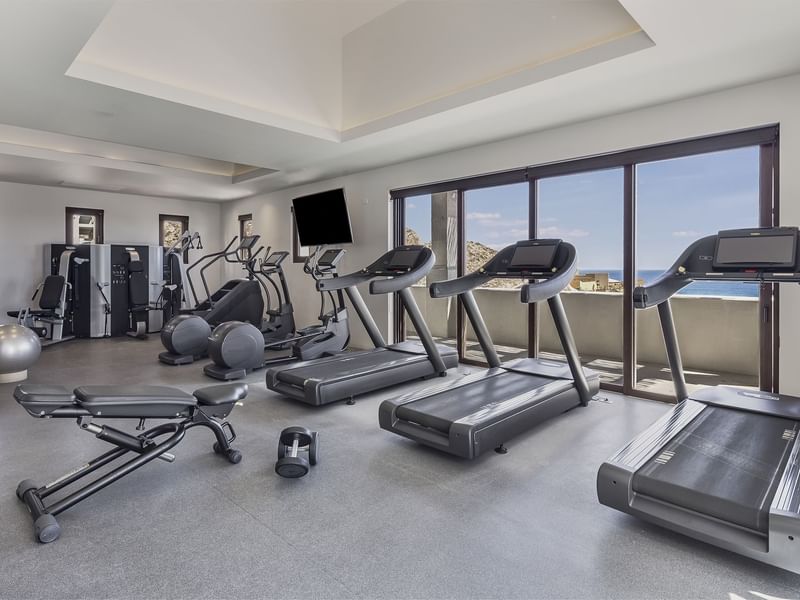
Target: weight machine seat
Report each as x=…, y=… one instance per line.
x=52, y=289
x=43, y=400
x=46, y=314
x=219, y=395
x=135, y=401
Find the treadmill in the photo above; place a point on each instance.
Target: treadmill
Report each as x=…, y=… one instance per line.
x=723, y=466
x=481, y=411
x=340, y=377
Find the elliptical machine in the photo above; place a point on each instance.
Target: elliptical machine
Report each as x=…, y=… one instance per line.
x=185, y=336
x=238, y=348
x=176, y=295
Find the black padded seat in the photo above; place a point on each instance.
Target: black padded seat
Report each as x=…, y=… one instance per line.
x=42, y=400
x=34, y=313
x=217, y=395
x=135, y=401
x=52, y=288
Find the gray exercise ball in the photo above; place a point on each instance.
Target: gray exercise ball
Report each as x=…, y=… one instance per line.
x=20, y=347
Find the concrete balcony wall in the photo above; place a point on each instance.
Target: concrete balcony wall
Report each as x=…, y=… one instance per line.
x=716, y=334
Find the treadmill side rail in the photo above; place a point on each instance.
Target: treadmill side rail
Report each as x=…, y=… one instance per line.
x=615, y=477
x=645, y=445
x=615, y=489
x=784, y=516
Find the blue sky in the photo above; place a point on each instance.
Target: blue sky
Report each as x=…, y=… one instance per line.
x=679, y=200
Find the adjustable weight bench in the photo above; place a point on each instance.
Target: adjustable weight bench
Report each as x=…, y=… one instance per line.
x=208, y=407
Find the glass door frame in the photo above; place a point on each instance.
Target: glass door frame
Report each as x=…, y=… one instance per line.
x=766, y=138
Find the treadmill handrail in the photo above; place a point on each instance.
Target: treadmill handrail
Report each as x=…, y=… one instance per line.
x=670, y=282
x=343, y=281
x=545, y=289
x=388, y=283
x=404, y=280
x=537, y=291
x=459, y=285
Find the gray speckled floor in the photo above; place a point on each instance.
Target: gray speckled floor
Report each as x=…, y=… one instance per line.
x=379, y=517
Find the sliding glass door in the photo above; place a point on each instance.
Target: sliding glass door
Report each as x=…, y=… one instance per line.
x=431, y=220
x=586, y=209
x=677, y=202
x=494, y=218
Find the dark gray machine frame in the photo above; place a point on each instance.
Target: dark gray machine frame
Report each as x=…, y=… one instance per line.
x=482, y=411
x=737, y=484
x=350, y=374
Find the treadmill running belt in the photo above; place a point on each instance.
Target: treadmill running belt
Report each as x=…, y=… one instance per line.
x=347, y=365
x=440, y=410
x=726, y=464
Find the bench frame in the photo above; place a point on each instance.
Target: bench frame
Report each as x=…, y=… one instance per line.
x=145, y=445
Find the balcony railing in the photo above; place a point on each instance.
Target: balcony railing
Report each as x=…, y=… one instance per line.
x=718, y=335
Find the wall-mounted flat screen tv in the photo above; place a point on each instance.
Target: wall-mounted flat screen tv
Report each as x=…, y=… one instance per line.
x=322, y=219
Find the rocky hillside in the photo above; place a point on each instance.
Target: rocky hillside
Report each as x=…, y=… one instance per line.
x=477, y=255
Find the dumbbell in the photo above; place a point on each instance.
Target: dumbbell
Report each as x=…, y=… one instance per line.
x=294, y=440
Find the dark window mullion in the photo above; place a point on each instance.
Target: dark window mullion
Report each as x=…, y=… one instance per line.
x=399, y=239
x=629, y=281
x=461, y=266
x=768, y=293
x=533, y=233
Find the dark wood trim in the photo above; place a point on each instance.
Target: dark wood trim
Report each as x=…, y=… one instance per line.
x=769, y=329
x=99, y=230
x=296, y=256
x=677, y=149
x=629, y=281
x=776, y=308
x=473, y=362
x=242, y=220
x=533, y=233
x=766, y=290
x=464, y=183
x=640, y=393
x=461, y=267
x=612, y=387
x=398, y=239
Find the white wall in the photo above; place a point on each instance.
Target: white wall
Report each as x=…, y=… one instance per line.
x=774, y=101
x=32, y=215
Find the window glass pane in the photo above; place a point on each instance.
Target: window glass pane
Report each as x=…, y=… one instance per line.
x=679, y=201
x=431, y=221
x=586, y=210
x=247, y=227
x=495, y=218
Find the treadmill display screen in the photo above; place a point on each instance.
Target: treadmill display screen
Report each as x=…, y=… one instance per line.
x=756, y=250
x=403, y=260
x=328, y=257
x=533, y=257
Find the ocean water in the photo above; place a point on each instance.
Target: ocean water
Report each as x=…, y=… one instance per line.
x=697, y=288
